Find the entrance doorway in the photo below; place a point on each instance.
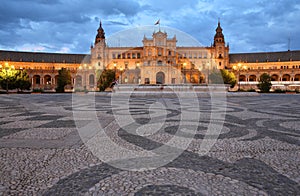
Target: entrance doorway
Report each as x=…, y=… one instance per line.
x=160, y=78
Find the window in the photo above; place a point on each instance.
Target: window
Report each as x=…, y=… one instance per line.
x=128, y=55
x=133, y=55
x=159, y=62
x=119, y=55
x=113, y=55
x=123, y=56
x=138, y=55
x=170, y=52
x=126, y=65
x=173, y=80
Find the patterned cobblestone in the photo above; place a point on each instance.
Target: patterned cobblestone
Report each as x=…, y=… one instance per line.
x=257, y=151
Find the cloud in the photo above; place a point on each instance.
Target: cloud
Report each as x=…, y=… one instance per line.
x=71, y=24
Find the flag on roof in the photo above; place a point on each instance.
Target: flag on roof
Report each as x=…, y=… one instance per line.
x=157, y=22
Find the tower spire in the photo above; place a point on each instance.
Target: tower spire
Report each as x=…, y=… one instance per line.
x=100, y=35
x=219, y=37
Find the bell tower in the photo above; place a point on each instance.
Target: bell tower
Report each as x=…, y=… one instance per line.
x=98, y=51
x=219, y=37
x=100, y=37
x=221, y=52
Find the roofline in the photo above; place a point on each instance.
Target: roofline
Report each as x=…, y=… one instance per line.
x=28, y=52
x=265, y=52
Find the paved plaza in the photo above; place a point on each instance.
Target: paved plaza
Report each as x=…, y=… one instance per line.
x=48, y=145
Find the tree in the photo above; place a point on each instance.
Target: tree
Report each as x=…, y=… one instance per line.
x=222, y=77
x=105, y=79
x=8, y=78
x=264, y=84
x=22, y=80
x=63, y=79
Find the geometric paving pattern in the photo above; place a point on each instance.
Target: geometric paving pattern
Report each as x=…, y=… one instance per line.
x=257, y=151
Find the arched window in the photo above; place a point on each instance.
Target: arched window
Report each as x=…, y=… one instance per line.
x=92, y=80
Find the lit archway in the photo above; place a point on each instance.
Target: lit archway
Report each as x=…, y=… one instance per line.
x=242, y=78
x=297, y=77
x=47, y=79
x=160, y=78
x=36, y=80
x=274, y=77
x=92, y=80
x=286, y=77
x=252, y=78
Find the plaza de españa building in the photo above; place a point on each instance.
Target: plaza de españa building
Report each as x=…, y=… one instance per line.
x=158, y=61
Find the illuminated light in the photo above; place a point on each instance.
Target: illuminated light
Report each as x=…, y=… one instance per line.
x=184, y=64
x=13, y=67
x=115, y=64
x=0, y=66
x=239, y=65
x=84, y=65
x=90, y=67
x=6, y=63
x=80, y=67
x=234, y=67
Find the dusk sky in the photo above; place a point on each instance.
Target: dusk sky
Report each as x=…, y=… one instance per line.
x=70, y=26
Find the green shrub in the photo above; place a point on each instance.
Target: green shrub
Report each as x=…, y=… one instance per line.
x=264, y=84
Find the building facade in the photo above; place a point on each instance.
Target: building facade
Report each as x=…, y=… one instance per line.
x=158, y=61
x=283, y=67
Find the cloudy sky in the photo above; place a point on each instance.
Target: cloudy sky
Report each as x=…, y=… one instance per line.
x=69, y=26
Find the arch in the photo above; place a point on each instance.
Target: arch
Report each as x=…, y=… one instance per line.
x=78, y=81
x=274, y=77
x=47, y=80
x=160, y=77
x=297, y=77
x=252, y=78
x=286, y=77
x=91, y=80
x=36, y=80
x=242, y=78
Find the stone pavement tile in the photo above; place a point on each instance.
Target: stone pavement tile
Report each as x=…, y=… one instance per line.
x=257, y=151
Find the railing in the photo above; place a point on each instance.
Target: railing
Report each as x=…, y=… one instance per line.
x=273, y=82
